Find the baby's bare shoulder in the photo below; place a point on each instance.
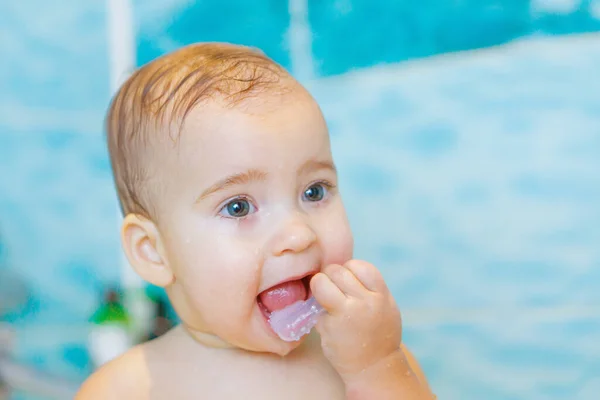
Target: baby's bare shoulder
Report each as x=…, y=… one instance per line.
x=125, y=377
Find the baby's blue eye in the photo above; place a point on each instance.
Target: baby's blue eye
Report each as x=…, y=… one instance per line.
x=238, y=208
x=315, y=192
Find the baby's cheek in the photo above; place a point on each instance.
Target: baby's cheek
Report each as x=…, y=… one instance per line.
x=338, y=248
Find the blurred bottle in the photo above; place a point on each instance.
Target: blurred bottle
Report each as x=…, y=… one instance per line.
x=109, y=336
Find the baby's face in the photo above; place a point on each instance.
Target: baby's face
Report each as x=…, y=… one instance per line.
x=252, y=202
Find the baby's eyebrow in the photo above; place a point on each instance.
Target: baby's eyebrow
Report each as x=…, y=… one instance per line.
x=316, y=165
x=252, y=175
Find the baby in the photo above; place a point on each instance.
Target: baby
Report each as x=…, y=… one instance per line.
x=224, y=171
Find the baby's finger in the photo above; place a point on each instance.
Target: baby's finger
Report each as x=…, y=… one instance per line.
x=345, y=280
x=327, y=293
x=368, y=275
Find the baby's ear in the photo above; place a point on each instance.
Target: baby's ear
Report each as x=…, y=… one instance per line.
x=145, y=251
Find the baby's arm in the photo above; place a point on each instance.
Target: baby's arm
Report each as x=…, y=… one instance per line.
x=402, y=377
x=397, y=376
x=122, y=378
x=414, y=365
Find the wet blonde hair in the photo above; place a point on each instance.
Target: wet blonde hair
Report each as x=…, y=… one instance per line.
x=156, y=99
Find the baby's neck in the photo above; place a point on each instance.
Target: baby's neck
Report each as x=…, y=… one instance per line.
x=206, y=339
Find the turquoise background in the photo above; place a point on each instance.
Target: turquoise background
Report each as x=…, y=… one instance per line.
x=471, y=179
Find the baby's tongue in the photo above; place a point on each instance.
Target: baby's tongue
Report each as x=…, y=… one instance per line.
x=283, y=295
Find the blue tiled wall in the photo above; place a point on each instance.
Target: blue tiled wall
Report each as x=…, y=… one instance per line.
x=471, y=180
x=364, y=32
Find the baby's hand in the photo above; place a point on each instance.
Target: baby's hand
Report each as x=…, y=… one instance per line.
x=362, y=325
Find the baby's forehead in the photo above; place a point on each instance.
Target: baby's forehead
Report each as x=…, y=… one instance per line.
x=283, y=106
x=255, y=123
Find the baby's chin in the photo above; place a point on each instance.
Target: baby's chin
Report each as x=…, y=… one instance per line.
x=285, y=348
x=269, y=343
x=253, y=340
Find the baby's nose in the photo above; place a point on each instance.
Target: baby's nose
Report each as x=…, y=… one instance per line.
x=294, y=237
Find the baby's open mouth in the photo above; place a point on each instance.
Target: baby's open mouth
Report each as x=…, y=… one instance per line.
x=283, y=295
